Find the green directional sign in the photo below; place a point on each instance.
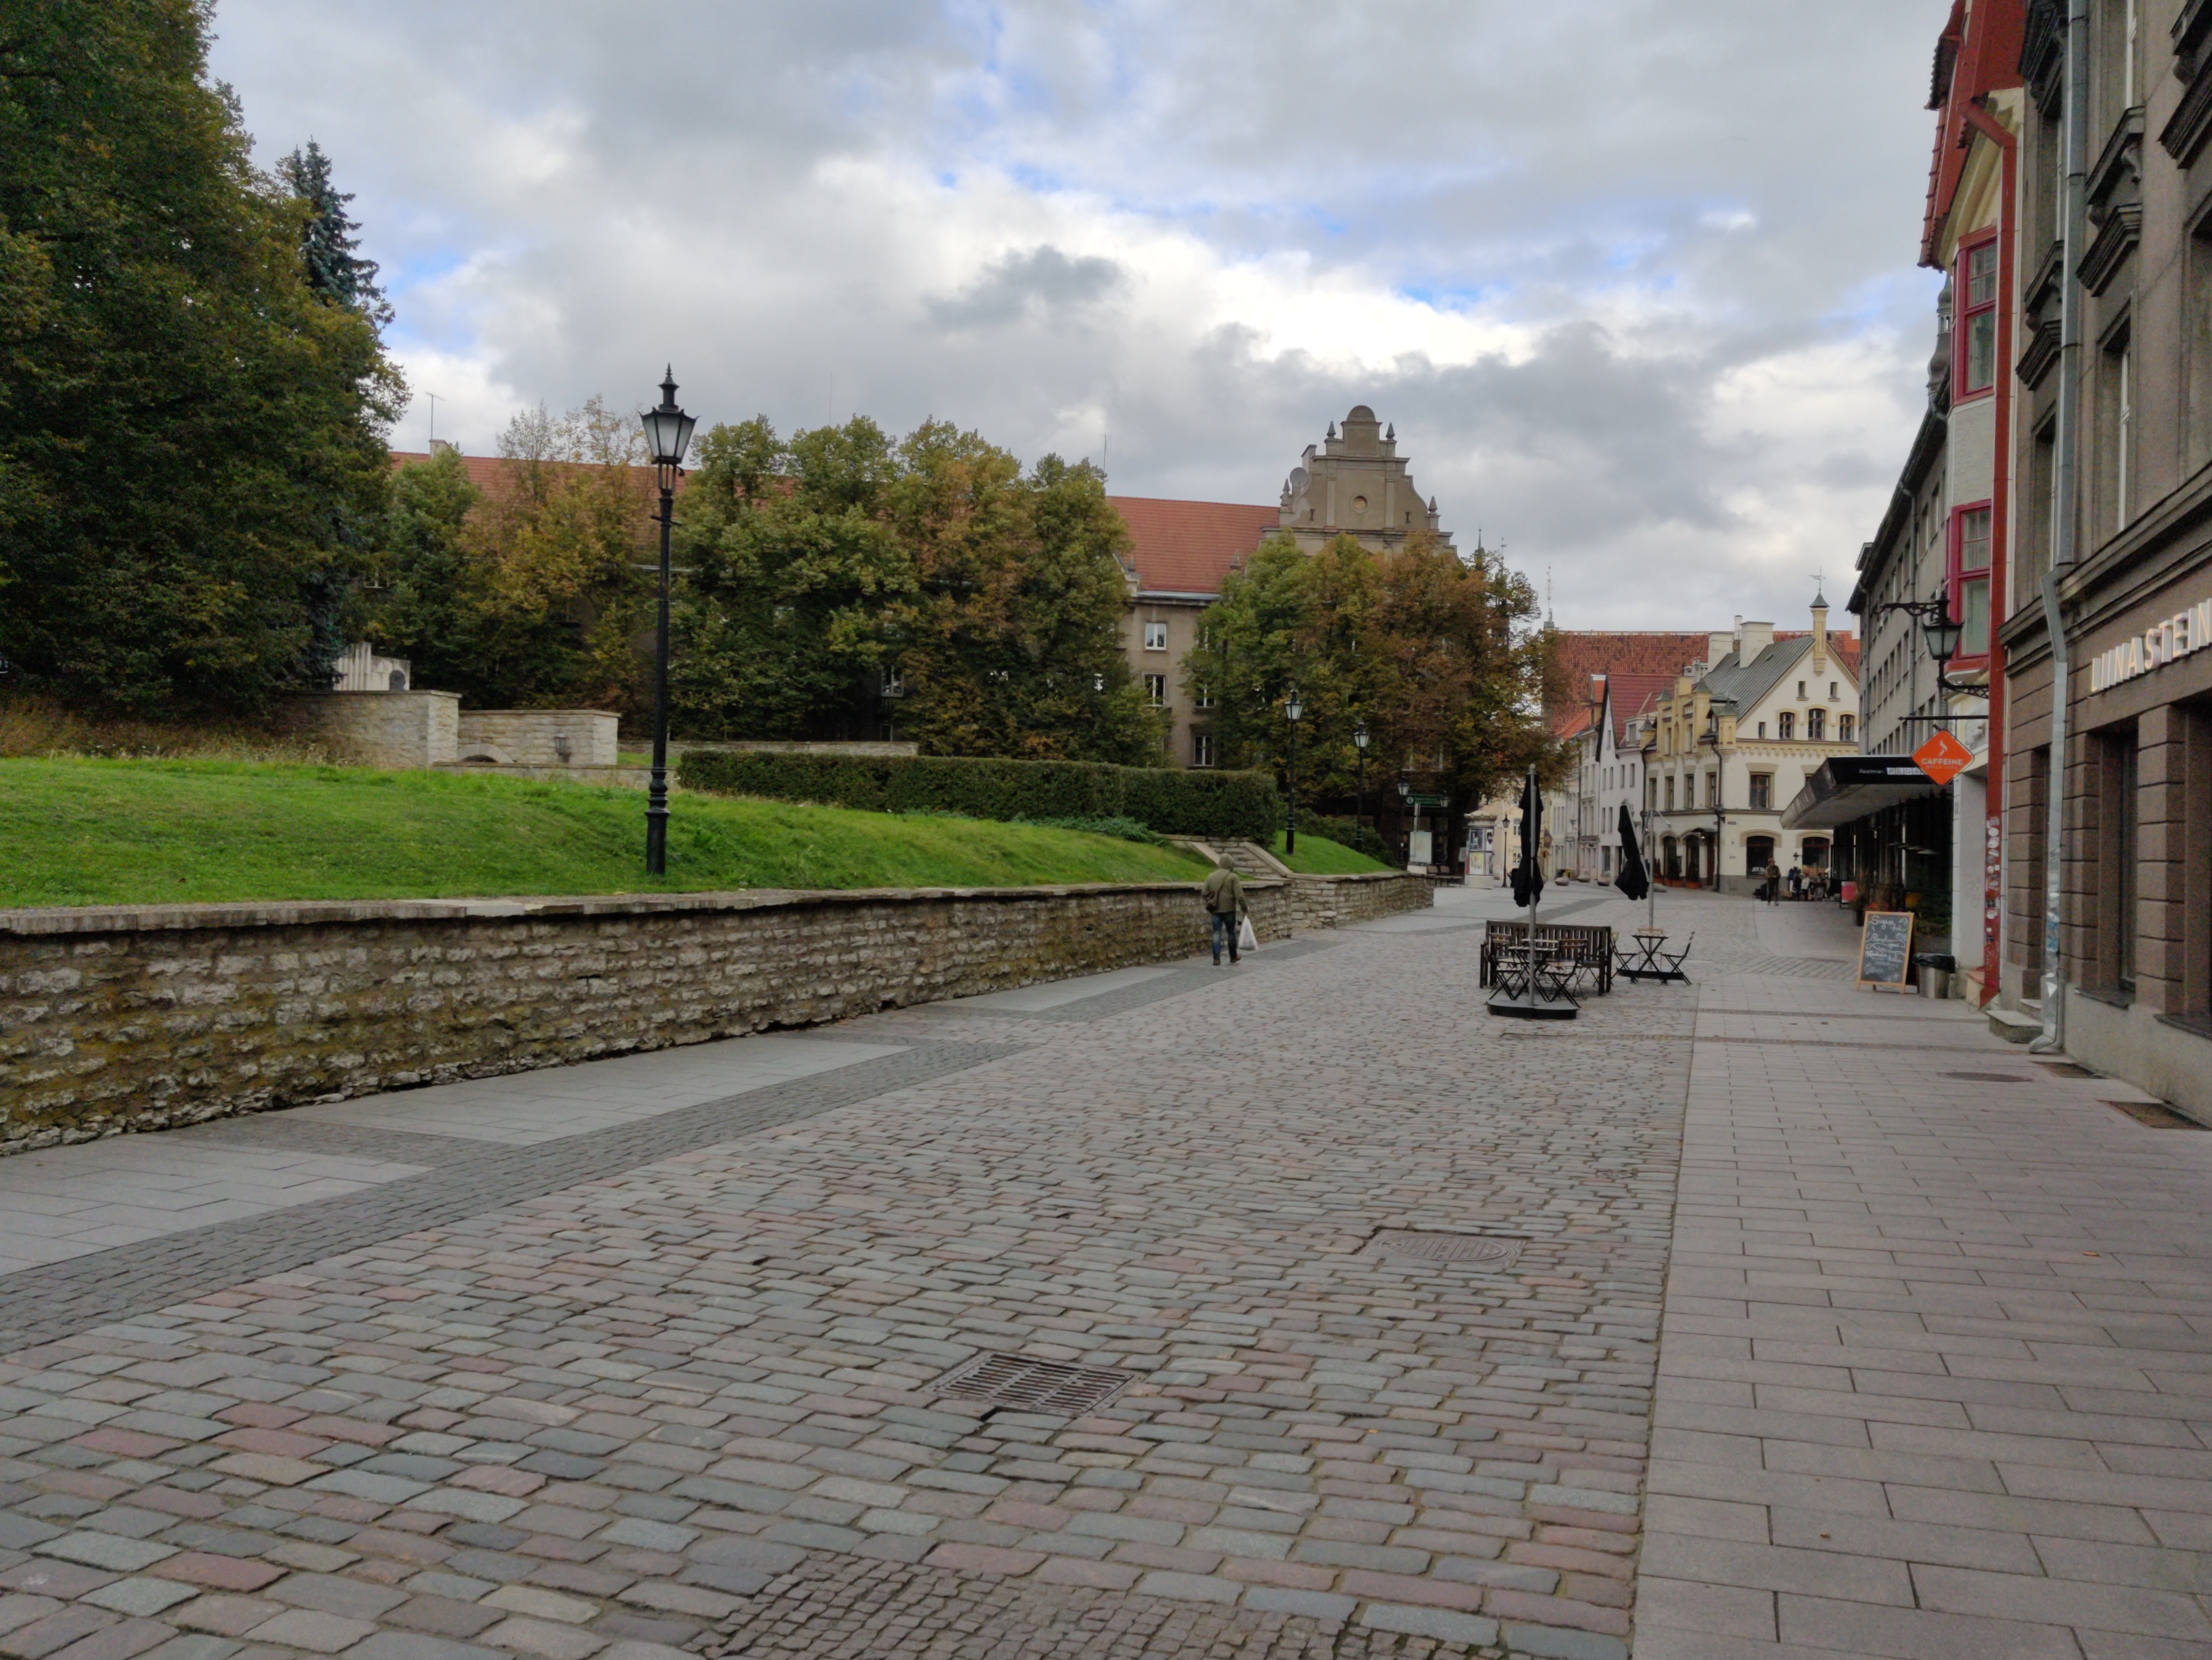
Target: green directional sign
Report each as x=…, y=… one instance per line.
x=1428, y=801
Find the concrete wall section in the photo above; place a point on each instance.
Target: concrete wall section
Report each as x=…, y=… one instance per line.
x=113, y=1019
x=538, y=738
x=394, y=729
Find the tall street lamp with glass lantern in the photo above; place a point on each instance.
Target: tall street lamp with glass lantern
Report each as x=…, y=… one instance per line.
x=1359, y=746
x=1293, y=710
x=667, y=435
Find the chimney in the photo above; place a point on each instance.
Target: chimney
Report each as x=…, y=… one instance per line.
x=1718, y=646
x=1819, y=633
x=1756, y=638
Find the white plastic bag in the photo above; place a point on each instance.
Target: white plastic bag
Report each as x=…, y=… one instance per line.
x=1246, y=939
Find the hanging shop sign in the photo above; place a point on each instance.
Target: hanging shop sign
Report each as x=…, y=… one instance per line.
x=1943, y=758
x=2187, y=630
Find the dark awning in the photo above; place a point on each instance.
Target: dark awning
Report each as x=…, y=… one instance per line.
x=1851, y=786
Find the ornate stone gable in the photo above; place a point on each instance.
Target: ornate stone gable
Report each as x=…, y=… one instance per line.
x=1355, y=482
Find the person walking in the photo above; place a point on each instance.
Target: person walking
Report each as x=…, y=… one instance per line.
x=1225, y=904
x=1773, y=881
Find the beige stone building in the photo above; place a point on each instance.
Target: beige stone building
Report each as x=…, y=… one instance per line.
x=1353, y=482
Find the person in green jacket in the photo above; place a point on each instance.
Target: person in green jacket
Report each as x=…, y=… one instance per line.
x=1225, y=904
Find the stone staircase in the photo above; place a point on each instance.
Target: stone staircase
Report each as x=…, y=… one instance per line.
x=1245, y=858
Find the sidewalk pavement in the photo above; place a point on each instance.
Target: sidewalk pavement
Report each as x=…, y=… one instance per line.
x=648, y=1357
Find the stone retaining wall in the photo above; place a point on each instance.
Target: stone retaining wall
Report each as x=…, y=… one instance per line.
x=114, y=1020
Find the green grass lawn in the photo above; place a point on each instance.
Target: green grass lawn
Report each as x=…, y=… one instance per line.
x=1319, y=856
x=86, y=832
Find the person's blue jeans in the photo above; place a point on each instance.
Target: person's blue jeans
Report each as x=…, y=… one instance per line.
x=1224, y=926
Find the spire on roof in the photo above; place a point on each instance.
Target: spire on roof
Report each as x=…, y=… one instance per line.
x=1332, y=428
x=1392, y=436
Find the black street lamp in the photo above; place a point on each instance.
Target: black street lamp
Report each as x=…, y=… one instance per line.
x=667, y=435
x=1359, y=744
x=1293, y=710
x=1940, y=635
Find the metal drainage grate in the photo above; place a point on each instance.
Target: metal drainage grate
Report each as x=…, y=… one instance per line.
x=1989, y=1077
x=1049, y=1386
x=1481, y=1250
x=2158, y=1115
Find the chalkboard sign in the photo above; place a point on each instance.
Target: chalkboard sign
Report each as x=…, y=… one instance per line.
x=1885, y=951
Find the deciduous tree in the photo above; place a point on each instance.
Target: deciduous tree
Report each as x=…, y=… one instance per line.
x=190, y=434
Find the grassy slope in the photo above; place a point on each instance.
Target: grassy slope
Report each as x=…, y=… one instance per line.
x=86, y=832
x=1319, y=856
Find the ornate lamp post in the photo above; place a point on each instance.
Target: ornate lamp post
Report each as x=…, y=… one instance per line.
x=1359, y=747
x=1293, y=710
x=667, y=435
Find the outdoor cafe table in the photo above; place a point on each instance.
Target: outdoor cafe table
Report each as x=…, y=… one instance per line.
x=1646, y=957
x=1550, y=971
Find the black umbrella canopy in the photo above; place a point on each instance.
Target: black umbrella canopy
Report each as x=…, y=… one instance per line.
x=1528, y=874
x=1634, y=880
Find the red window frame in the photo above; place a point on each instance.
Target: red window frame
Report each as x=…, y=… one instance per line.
x=1975, y=309
x=1969, y=585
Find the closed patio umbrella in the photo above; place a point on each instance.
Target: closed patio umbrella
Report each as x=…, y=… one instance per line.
x=1634, y=880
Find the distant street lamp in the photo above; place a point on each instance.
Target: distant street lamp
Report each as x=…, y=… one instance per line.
x=1293, y=710
x=1359, y=744
x=667, y=435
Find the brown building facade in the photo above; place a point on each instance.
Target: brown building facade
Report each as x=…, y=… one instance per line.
x=2130, y=565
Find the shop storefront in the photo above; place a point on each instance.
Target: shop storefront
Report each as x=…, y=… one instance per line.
x=2136, y=912
x=1889, y=837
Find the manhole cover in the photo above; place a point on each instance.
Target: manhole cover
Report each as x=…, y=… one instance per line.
x=1484, y=1249
x=2066, y=1069
x=1989, y=1077
x=2157, y=1116
x=1013, y=1380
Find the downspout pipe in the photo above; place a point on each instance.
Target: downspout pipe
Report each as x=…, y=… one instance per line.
x=2065, y=541
x=2000, y=539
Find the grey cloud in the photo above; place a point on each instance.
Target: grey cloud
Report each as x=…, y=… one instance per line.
x=619, y=194
x=1042, y=284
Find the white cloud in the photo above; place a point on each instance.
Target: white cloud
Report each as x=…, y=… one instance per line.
x=1633, y=277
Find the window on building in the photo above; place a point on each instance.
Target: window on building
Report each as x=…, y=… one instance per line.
x=1155, y=636
x=1831, y=691
x=1977, y=317
x=1801, y=691
x=2117, y=854
x=1203, y=694
x=1846, y=729
x=1816, y=725
x=1670, y=795
x=1156, y=690
x=1762, y=792
x=1201, y=748
x=1762, y=729
x=1712, y=789
x=1969, y=580
x=1785, y=726
x=2121, y=449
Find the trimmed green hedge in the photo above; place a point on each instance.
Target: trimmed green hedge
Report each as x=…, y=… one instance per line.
x=1229, y=804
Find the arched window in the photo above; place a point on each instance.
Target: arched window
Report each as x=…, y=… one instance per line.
x=1845, y=725
x=1816, y=725
x=1787, y=725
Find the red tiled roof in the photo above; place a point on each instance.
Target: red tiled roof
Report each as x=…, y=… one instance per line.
x=1584, y=654
x=1189, y=547
x=1631, y=695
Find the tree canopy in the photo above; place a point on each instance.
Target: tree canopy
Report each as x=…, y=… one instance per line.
x=839, y=566
x=1436, y=656
x=191, y=432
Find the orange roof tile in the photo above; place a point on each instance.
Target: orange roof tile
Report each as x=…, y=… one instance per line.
x=1189, y=547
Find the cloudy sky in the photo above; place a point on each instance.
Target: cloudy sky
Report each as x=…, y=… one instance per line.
x=1634, y=279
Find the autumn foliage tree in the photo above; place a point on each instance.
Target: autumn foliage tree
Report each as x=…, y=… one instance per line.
x=1437, y=655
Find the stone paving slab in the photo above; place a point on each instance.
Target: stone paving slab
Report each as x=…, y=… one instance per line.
x=596, y=1418
x=524, y=1109
x=61, y=1202
x=1937, y=1375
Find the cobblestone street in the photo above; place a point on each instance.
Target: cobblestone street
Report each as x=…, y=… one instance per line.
x=643, y=1358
